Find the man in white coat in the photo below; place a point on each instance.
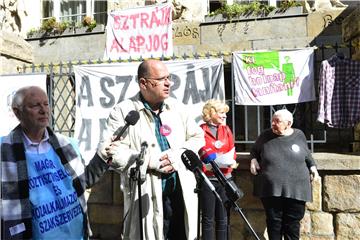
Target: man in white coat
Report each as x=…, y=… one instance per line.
x=169, y=203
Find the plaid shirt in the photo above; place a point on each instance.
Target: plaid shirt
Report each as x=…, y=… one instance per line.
x=15, y=203
x=339, y=92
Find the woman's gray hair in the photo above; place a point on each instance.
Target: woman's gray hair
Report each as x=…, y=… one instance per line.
x=285, y=115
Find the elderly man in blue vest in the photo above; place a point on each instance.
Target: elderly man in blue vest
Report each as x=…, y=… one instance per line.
x=43, y=176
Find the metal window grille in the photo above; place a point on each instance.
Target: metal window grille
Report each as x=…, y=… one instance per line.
x=246, y=121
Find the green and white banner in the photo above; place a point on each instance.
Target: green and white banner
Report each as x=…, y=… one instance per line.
x=273, y=77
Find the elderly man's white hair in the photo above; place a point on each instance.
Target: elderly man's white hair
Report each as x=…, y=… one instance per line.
x=284, y=114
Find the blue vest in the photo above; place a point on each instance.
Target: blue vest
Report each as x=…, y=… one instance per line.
x=56, y=210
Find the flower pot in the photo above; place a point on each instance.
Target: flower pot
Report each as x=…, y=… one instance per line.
x=85, y=29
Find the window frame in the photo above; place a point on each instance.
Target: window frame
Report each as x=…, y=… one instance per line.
x=89, y=11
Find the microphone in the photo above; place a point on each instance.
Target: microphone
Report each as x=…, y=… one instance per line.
x=208, y=155
x=193, y=163
x=131, y=119
x=140, y=158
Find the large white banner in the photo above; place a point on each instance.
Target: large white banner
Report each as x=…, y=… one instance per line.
x=9, y=85
x=143, y=31
x=99, y=87
x=273, y=77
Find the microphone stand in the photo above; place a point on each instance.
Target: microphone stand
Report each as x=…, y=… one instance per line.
x=197, y=190
x=135, y=175
x=238, y=209
x=232, y=195
x=227, y=209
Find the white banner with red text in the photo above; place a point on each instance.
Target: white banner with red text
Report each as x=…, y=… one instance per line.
x=100, y=86
x=273, y=77
x=143, y=31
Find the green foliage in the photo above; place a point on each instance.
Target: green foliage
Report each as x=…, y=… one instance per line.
x=258, y=9
x=49, y=24
x=254, y=8
x=89, y=23
x=229, y=11
x=63, y=26
x=31, y=32
x=285, y=4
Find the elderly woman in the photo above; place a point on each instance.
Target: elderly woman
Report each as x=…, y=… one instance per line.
x=219, y=138
x=283, y=168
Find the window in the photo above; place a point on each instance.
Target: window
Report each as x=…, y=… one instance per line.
x=74, y=11
x=47, y=9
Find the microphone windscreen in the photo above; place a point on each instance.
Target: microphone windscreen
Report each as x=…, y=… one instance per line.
x=207, y=154
x=132, y=117
x=191, y=160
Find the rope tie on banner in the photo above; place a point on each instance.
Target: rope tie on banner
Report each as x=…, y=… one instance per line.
x=196, y=55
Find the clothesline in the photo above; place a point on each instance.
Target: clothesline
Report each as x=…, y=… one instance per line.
x=339, y=92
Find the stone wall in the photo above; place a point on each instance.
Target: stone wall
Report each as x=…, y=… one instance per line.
x=203, y=37
x=334, y=213
x=14, y=52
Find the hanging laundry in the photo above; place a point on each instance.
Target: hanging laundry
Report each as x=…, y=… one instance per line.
x=339, y=92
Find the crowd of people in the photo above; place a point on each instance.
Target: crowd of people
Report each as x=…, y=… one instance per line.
x=44, y=176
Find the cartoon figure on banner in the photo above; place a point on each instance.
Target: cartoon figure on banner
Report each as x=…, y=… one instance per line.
x=288, y=69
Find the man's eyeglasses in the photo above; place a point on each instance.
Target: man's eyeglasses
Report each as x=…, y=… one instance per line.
x=161, y=79
x=157, y=81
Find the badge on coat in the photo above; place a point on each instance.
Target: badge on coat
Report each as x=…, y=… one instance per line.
x=218, y=144
x=295, y=148
x=165, y=130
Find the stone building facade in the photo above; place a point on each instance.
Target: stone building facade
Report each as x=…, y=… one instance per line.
x=335, y=212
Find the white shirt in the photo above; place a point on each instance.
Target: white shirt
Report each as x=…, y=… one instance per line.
x=41, y=147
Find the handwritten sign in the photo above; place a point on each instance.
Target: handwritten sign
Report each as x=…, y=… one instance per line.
x=54, y=201
x=144, y=31
x=273, y=77
x=99, y=87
